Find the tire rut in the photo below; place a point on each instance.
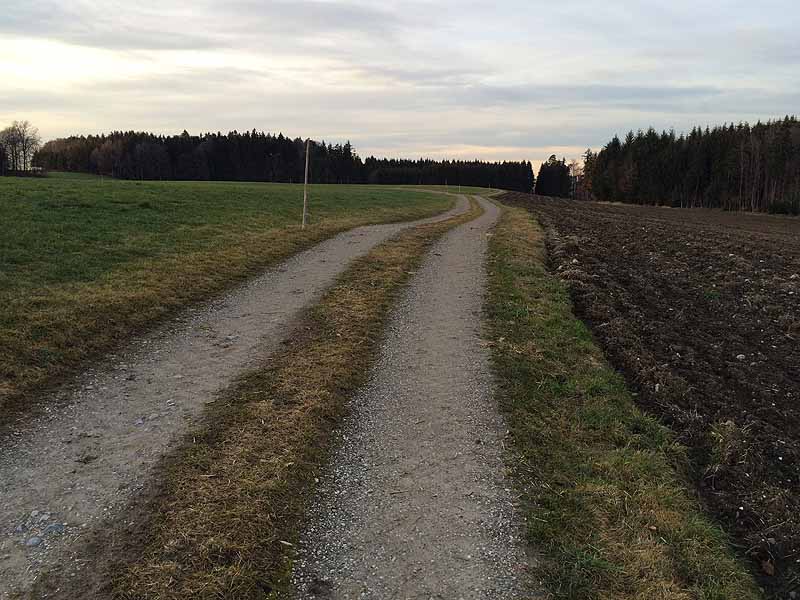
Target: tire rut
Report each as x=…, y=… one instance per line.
x=72, y=469
x=416, y=502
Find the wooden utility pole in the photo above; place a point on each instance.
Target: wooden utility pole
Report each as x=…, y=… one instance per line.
x=305, y=185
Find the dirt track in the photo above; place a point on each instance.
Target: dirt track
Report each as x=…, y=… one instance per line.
x=416, y=503
x=68, y=472
x=701, y=310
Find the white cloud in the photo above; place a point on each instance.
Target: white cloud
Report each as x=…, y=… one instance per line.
x=441, y=78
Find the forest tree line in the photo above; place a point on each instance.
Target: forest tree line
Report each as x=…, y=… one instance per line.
x=258, y=156
x=733, y=167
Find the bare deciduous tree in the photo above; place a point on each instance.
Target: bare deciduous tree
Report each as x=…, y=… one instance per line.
x=30, y=141
x=3, y=159
x=20, y=142
x=8, y=139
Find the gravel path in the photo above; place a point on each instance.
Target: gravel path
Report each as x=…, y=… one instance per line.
x=74, y=467
x=416, y=504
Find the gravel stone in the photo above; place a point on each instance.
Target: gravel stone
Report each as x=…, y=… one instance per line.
x=188, y=362
x=416, y=503
x=54, y=528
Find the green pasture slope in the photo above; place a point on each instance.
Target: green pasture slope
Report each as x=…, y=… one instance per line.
x=85, y=261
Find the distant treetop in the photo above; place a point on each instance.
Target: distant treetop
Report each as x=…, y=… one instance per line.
x=258, y=156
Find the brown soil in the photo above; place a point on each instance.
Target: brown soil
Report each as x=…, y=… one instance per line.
x=700, y=311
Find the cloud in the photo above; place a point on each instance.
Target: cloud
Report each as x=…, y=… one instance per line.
x=566, y=96
x=108, y=25
x=411, y=77
x=202, y=25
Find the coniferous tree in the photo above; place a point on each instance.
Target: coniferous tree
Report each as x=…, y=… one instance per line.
x=257, y=156
x=733, y=167
x=554, y=178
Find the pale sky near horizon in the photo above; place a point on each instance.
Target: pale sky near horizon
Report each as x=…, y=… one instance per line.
x=451, y=78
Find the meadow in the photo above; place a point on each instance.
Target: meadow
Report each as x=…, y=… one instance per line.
x=87, y=261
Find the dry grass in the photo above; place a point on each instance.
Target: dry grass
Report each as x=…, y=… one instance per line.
x=231, y=498
x=84, y=266
x=604, y=486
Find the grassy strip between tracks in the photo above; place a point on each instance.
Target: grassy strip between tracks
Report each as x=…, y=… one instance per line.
x=232, y=497
x=84, y=265
x=603, y=484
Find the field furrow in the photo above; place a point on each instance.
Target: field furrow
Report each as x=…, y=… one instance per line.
x=700, y=310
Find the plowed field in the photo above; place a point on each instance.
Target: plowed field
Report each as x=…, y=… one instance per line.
x=701, y=312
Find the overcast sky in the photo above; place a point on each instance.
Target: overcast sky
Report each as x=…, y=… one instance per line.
x=449, y=78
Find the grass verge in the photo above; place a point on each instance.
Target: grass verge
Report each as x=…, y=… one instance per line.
x=226, y=512
x=85, y=263
x=603, y=485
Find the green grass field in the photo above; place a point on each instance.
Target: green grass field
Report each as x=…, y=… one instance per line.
x=606, y=501
x=84, y=261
